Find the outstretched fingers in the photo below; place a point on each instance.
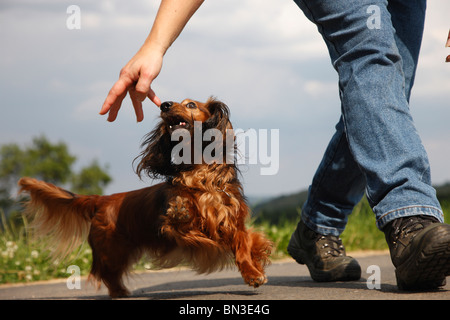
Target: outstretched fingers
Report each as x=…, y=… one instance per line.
x=115, y=97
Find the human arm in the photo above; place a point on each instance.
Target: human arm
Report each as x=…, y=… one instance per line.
x=138, y=74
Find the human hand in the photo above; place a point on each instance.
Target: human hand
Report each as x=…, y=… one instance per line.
x=136, y=79
x=138, y=74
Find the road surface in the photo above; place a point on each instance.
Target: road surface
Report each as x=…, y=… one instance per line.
x=287, y=281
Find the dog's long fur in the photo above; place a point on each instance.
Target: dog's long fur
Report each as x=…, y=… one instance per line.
x=196, y=217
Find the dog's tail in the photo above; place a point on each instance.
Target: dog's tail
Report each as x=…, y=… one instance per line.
x=60, y=218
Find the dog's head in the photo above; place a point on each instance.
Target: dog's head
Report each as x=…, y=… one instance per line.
x=182, y=136
x=212, y=114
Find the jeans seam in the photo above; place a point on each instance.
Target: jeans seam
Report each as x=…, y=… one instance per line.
x=321, y=29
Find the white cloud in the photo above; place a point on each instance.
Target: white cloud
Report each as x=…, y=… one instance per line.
x=260, y=30
x=263, y=58
x=318, y=88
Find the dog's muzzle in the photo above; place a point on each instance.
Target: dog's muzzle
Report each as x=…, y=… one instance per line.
x=165, y=106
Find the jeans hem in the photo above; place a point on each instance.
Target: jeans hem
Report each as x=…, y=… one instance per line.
x=408, y=211
x=323, y=230
x=381, y=222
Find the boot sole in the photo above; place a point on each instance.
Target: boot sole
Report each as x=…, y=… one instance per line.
x=428, y=267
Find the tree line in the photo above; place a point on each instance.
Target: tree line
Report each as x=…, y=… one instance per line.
x=51, y=162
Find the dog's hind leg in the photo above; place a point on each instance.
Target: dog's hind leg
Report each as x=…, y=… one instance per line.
x=111, y=258
x=109, y=269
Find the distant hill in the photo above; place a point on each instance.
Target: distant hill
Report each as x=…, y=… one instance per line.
x=443, y=192
x=288, y=207
x=283, y=207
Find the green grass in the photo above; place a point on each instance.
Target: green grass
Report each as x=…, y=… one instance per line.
x=21, y=260
x=361, y=232
x=279, y=234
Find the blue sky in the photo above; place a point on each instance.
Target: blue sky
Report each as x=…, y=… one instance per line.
x=264, y=59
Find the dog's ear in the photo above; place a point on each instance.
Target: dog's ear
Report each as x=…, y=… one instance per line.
x=219, y=115
x=155, y=158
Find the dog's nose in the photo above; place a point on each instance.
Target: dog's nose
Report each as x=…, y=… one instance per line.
x=165, y=106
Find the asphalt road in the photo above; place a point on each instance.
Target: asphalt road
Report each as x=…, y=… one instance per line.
x=287, y=281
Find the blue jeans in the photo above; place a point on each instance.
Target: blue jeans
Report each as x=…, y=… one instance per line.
x=374, y=46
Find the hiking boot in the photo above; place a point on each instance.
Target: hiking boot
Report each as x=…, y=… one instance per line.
x=420, y=251
x=323, y=255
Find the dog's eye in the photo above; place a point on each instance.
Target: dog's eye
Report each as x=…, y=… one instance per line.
x=191, y=105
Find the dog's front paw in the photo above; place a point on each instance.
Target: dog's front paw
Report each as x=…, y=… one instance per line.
x=256, y=281
x=178, y=209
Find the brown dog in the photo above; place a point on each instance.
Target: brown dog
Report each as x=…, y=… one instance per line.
x=196, y=217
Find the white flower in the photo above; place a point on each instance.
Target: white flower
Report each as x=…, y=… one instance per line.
x=11, y=246
x=34, y=254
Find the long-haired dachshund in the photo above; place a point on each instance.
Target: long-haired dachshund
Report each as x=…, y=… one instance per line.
x=196, y=217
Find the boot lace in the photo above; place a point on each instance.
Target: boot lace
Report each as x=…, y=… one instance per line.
x=331, y=246
x=408, y=227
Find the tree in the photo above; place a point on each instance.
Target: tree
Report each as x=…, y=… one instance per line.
x=90, y=180
x=46, y=161
x=10, y=167
x=49, y=162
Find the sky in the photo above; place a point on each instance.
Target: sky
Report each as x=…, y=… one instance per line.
x=264, y=59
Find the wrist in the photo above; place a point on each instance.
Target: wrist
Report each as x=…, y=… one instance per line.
x=154, y=47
